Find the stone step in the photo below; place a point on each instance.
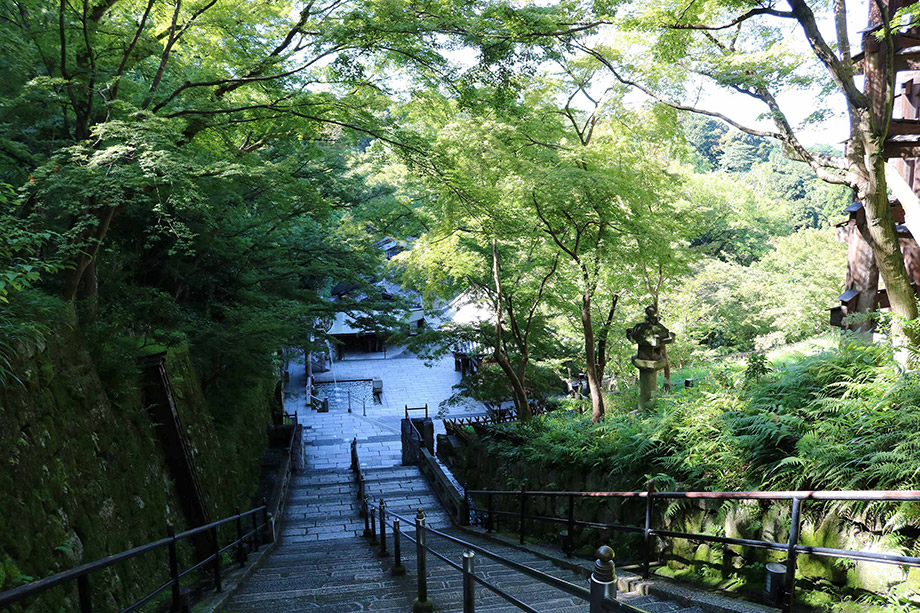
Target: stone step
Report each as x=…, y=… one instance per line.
x=322, y=563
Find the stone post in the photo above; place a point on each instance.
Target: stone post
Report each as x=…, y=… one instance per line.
x=651, y=337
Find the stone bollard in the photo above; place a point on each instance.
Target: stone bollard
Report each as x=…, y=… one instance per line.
x=398, y=568
x=383, y=529
x=603, y=579
x=421, y=604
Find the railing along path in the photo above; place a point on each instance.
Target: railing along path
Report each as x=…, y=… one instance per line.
x=253, y=528
x=649, y=531
x=454, y=425
x=81, y=574
x=603, y=583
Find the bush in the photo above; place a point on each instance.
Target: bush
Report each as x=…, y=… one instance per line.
x=840, y=419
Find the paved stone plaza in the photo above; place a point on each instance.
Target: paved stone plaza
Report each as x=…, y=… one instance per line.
x=407, y=380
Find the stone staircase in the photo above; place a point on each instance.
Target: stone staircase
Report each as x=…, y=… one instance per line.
x=405, y=491
x=323, y=563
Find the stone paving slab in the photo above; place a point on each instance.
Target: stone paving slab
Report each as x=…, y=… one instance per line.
x=323, y=563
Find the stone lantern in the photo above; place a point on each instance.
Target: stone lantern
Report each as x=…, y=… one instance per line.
x=651, y=337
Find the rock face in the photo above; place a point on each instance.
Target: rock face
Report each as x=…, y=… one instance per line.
x=83, y=477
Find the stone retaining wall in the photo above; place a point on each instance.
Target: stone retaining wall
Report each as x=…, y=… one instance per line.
x=478, y=466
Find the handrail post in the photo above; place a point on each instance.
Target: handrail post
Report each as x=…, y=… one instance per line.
x=373, y=525
x=647, y=534
x=523, y=513
x=267, y=535
x=469, y=585
x=603, y=579
x=794, y=527
x=490, y=503
x=398, y=568
x=240, y=549
x=421, y=604
x=255, y=533
x=570, y=540
x=383, y=529
x=354, y=453
x=367, y=527
x=174, y=569
x=215, y=544
x=85, y=594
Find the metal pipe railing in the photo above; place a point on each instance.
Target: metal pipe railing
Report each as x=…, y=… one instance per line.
x=422, y=549
x=648, y=530
x=422, y=602
x=81, y=573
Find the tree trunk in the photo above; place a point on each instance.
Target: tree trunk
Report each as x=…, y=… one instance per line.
x=594, y=384
x=517, y=384
x=602, y=340
x=887, y=250
x=666, y=386
x=517, y=388
x=88, y=257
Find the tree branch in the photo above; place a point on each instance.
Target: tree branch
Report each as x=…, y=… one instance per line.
x=733, y=22
x=841, y=72
x=551, y=231
x=681, y=107
x=130, y=48
x=242, y=80
x=164, y=57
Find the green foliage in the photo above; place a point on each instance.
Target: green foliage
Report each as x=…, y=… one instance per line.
x=756, y=368
x=840, y=419
x=20, y=265
x=780, y=298
x=739, y=151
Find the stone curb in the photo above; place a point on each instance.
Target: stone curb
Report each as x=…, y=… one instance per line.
x=630, y=582
x=234, y=579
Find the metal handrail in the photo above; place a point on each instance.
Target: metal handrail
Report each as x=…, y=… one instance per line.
x=545, y=578
x=370, y=530
x=792, y=548
x=828, y=495
x=499, y=416
x=82, y=572
x=562, y=584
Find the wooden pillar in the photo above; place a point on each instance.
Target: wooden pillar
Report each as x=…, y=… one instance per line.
x=862, y=270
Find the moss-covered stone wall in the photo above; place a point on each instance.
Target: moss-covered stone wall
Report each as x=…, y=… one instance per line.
x=81, y=475
x=822, y=582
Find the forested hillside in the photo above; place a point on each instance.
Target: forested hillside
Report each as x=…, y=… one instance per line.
x=195, y=176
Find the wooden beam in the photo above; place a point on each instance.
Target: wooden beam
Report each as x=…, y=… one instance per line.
x=902, y=146
x=904, y=127
x=906, y=58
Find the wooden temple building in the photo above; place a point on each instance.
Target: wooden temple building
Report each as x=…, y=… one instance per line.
x=862, y=292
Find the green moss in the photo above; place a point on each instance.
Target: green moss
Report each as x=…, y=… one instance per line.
x=81, y=474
